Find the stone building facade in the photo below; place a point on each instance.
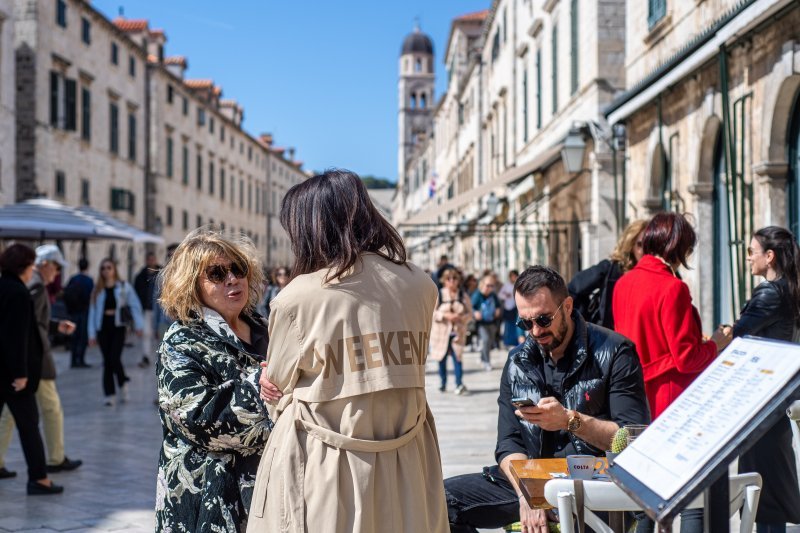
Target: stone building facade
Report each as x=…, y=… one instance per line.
x=7, y=97
x=521, y=77
x=713, y=130
x=106, y=119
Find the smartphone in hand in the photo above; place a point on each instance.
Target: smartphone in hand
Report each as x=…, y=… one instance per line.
x=522, y=402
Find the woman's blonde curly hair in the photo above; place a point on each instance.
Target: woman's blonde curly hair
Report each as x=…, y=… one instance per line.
x=180, y=278
x=623, y=252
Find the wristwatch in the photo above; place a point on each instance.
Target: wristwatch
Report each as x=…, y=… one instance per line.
x=574, y=422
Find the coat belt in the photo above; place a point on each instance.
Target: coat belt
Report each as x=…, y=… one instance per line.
x=337, y=440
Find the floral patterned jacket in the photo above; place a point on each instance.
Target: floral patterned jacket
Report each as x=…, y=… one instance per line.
x=215, y=425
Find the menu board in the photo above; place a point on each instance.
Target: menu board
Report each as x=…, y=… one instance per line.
x=706, y=423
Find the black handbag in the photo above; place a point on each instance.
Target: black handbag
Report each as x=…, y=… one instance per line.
x=125, y=312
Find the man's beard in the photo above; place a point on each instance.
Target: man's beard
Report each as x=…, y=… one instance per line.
x=557, y=338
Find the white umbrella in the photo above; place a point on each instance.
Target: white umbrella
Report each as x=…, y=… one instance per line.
x=136, y=235
x=42, y=219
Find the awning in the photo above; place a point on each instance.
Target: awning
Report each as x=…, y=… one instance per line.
x=639, y=96
x=42, y=219
x=543, y=160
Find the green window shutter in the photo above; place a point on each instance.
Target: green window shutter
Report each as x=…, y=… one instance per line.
x=538, y=89
x=657, y=9
x=86, y=114
x=554, y=66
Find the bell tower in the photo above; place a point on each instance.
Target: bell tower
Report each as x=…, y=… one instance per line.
x=415, y=98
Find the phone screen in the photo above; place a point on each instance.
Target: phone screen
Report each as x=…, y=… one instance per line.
x=522, y=402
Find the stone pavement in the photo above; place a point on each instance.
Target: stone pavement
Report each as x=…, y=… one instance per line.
x=114, y=490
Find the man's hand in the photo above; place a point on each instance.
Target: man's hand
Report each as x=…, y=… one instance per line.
x=269, y=392
x=548, y=414
x=532, y=520
x=66, y=327
x=19, y=383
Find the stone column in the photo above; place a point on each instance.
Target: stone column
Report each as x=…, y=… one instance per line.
x=703, y=257
x=771, y=190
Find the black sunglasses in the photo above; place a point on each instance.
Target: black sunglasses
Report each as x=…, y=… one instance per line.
x=543, y=321
x=219, y=273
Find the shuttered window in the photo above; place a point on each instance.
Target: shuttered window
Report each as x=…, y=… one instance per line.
x=573, y=85
x=656, y=10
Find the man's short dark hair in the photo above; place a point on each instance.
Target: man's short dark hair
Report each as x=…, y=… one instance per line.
x=536, y=277
x=513, y=272
x=83, y=264
x=16, y=259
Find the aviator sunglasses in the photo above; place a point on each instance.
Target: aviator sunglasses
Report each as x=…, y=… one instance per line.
x=543, y=321
x=219, y=273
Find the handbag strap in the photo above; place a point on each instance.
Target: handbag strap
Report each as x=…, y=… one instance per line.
x=579, y=501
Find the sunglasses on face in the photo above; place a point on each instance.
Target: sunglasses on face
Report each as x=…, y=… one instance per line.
x=219, y=273
x=543, y=321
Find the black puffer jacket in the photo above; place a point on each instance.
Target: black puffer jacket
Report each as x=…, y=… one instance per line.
x=605, y=382
x=768, y=313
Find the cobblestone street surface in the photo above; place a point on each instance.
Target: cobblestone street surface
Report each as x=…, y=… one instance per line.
x=114, y=490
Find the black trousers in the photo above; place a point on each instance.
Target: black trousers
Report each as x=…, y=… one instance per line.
x=26, y=415
x=111, y=340
x=486, y=501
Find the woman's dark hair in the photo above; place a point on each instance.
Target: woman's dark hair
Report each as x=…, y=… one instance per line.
x=787, y=260
x=669, y=236
x=331, y=221
x=16, y=258
x=537, y=277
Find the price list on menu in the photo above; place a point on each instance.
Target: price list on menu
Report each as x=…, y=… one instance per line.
x=718, y=404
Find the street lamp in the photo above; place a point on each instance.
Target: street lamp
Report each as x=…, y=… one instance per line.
x=572, y=152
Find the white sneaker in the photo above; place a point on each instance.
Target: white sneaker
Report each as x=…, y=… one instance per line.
x=461, y=390
x=123, y=393
x=109, y=401
x=487, y=367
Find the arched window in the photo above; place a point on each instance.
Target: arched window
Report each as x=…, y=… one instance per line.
x=413, y=100
x=793, y=142
x=418, y=65
x=423, y=101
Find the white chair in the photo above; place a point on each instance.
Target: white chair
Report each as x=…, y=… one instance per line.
x=745, y=490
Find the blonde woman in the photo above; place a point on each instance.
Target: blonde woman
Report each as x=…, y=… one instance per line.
x=592, y=289
x=215, y=425
x=449, y=330
x=107, y=324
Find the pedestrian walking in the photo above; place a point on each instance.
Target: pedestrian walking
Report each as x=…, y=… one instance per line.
x=49, y=262
x=77, y=297
x=592, y=289
x=215, y=425
x=114, y=307
x=279, y=277
x=663, y=323
x=773, y=312
x=512, y=335
x=486, y=310
x=144, y=283
x=354, y=447
x=21, y=363
x=449, y=330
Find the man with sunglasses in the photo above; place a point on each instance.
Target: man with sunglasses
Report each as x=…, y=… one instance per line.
x=585, y=382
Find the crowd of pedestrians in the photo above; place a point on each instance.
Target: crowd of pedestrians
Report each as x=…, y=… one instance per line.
x=294, y=398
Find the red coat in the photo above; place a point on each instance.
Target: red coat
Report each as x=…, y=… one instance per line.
x=654, y=309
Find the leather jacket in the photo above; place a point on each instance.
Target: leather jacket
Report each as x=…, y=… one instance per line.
x=604, y=381
x=769, y=312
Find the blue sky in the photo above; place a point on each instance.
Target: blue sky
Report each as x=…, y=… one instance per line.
x=320, y=75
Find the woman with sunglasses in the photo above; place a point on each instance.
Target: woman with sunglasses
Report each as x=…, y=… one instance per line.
x=653, y=307
x=215, y=425
x=773, y=312
x=354, y=447
x=449, y=330
x=113, y=304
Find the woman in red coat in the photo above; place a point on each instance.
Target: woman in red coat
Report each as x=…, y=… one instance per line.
x=653, y=308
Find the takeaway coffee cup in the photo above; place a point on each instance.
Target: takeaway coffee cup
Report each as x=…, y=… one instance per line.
x=583, y=466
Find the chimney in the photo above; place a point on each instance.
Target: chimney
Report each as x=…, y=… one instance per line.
x=177, y=65
x=290, y=152
x=231, y=110
x=266, y=138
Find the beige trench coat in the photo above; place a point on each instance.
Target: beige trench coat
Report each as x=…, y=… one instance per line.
x=440, y=332
x=354, y=448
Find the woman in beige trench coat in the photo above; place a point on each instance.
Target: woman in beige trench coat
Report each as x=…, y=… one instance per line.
x=449, y=331
x=354, y=447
